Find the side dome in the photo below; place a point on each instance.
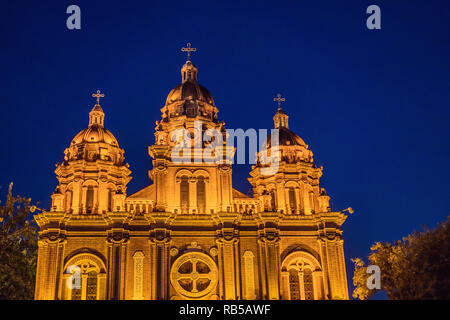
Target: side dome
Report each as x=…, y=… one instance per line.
x=95, y=134
x=289, y=147
x=286, y=138
x=95, y=142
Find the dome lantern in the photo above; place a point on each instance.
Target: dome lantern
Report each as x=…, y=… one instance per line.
x=189, y=71
x=97, y=116
x=281, y=118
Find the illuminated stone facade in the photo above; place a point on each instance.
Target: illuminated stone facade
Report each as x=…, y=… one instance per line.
x=188, y=235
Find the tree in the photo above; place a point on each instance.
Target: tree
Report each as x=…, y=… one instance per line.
x=416, y=267
x=18, y=248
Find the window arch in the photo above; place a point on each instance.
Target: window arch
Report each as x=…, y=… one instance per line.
x=84, y=278
x=301, y=277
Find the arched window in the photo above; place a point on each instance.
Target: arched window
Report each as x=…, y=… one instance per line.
x=68, y=204
x=308, y=284
x=294, y=285
x=273, y=200
x=292, y=200
x=84, y=278
x=184, y=195
x=297, y=279
x=201, y=195
x=89, y=199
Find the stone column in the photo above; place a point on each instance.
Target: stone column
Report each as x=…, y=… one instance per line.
x=263, y=270
x=343, y=273
x=65, y=291
x=51, y=267
x=301, y=284
x=60, y=268
x=84, y=277
x=228, y=264
x=160, y=258
x=101, y=286
x=115, y=268
x=220, y=268
x=270, y=248
x=325, y=278
x=285, y=285
x=41, y=273
x=317, y=284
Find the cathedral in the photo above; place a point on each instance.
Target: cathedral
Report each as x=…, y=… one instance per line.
x=189, y=234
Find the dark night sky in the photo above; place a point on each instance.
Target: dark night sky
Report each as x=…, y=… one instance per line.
x=372, y=105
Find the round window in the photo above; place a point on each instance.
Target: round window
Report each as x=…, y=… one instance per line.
x=194, y=275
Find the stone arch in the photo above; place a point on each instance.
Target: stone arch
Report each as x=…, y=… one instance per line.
x=271, y=186
x=84, y=277
x=299, y=248
x=292, y=183
x=89, y=196
x=90, y=182
x=87, y=256
x=301, y=277
x=183, y=172
x=201, y=173
x=302, y=255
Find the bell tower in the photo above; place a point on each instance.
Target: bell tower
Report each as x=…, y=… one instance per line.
x=76, y=235
x=294, y=187
x=191, y=162
x=93, y=176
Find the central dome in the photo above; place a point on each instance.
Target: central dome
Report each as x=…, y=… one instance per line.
x=190, y=90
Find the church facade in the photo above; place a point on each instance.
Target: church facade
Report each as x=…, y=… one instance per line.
x=189, y=234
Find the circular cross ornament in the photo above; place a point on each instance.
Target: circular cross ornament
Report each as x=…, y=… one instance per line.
x=194, y=275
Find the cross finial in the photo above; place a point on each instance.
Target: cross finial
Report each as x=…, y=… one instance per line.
x=98, y=95
x=188, y=49
x=279, y=99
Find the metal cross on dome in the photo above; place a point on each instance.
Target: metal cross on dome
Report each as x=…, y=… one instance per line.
x=279, y=99
x=98, y=95
x=188, y=50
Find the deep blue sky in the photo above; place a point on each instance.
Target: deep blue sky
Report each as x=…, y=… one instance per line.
x=372, y=105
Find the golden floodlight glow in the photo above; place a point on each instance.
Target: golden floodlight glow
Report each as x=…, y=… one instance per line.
x=189, y=234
